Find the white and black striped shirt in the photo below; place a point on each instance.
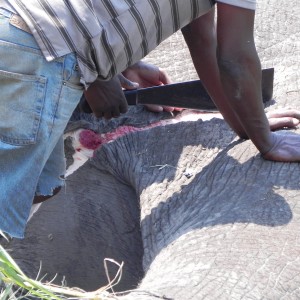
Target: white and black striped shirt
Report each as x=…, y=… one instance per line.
x=107, y=35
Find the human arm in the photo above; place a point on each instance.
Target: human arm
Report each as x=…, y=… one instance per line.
x=241, y=78
x=239, y=72
x=200, y=37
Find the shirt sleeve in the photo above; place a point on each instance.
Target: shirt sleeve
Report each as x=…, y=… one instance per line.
x=249, y=4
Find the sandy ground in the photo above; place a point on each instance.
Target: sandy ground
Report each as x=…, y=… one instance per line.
x=177, y=63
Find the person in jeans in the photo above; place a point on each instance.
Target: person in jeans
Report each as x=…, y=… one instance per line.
x=53, y=52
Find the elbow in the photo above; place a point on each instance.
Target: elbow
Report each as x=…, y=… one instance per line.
x=231, y=74
x=232, y=65
x=196, y=38
x=238, y=62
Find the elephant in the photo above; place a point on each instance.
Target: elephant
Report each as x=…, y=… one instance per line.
x=191, y=210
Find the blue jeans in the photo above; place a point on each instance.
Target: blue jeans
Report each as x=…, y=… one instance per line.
x=37, y=99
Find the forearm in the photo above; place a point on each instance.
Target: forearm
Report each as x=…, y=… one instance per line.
x=240, y=72
x=241, y=81
x=201, y=40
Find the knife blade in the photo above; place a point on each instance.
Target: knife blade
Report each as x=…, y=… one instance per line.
x=188, y=94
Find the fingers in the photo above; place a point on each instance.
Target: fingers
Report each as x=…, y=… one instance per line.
x=126, y=83
x=159, y=108
x=164, y=77
x=115, y=112
x=111, y=112
x=281, y=118
x=178, y=109
x=123, y=107
x=168, y=108
x=277, y=123
x=279, y=113
x=107, y=99
x=154, y=108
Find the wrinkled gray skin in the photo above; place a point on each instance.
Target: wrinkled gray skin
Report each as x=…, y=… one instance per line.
x=230, y=231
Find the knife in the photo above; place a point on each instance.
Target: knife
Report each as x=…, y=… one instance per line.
x=188, y=94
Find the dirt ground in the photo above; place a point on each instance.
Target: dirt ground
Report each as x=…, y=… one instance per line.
x=177, y=63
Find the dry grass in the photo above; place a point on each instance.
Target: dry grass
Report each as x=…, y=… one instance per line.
x=14, y=284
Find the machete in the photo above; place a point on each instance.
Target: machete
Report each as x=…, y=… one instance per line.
x=188, y=94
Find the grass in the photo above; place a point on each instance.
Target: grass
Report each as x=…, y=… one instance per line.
x=13, y=280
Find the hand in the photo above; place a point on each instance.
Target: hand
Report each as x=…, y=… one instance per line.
x=283, y=118
x=286, y=147
x=143, y=75
x=106, y=98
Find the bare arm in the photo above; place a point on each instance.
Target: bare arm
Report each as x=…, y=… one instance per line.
x=200, y=36
x=238, y=72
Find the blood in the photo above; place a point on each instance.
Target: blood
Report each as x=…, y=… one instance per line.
x=121, y=131
x=86, y=141
x=92, y=140
x=89, y=139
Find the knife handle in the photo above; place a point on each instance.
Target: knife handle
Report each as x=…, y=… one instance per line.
x=131, y=96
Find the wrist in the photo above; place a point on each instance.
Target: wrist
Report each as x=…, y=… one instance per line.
x=266, y=152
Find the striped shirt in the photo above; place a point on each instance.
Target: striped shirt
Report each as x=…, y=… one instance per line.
x=107, y=35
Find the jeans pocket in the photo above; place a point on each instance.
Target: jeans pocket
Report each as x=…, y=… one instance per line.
x=21, y=105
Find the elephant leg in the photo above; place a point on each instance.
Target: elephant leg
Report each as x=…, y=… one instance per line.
x=93, y=218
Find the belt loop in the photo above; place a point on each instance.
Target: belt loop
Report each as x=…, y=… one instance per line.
x=6, y=13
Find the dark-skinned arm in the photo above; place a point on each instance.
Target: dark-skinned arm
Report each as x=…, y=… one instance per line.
x=200, y=37
x=239, y=74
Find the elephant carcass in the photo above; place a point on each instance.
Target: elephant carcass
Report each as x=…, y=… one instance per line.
x=216, y=220
x=93, y=218
x=228, y=232
x=96, y=216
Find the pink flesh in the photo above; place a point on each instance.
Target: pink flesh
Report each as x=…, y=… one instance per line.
x=91, y=140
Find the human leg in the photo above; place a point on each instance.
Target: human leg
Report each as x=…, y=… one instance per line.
x=37, y=99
